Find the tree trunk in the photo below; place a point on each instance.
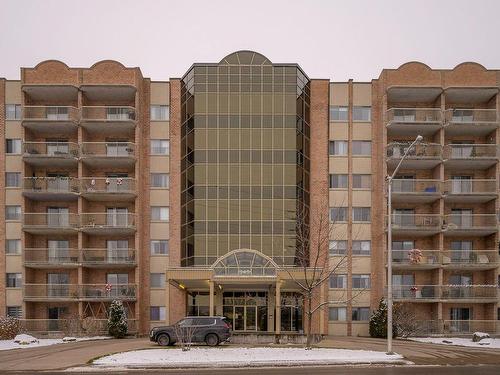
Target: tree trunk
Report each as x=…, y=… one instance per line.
x=309, y=321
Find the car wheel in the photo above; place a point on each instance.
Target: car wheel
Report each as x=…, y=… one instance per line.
x=163, y=339
x=212, y=339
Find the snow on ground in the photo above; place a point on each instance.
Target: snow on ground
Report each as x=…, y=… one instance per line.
x=239, y=357
x=26, y=339
x=460, y=341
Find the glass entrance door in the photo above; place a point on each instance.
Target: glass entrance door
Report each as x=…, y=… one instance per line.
x=245, y=318
x=247, y=311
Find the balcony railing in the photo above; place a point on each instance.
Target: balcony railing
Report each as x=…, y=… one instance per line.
x=471, y=116
x=107, y=185
x=414, y=115
x=396, y=150
x=51, y=220
x=108, y=256
x=107, y=220
x=453, y=327
x=445, y=292
x=83, y=326
x=50, y=113
x=108, y=113
x=51, y=256
x=470, y=151
x=405, y=258
x=51, y=149
x=416, y=221
x=108, y=291
x=51, y=184
x=469, y=257
x=51, y=291
x=409, y=186
x=470, y=186
x=108, y=149
x=467, y=221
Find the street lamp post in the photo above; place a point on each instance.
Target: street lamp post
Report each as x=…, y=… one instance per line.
x=389, y=243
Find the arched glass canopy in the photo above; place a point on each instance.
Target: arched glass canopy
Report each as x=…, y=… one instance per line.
x=245, y=58
x=244, y=262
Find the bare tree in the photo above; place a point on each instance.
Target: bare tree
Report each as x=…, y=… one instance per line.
x=313, y=266
x=185, y=333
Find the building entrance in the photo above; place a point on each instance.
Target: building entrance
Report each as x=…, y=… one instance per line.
x=247, y=311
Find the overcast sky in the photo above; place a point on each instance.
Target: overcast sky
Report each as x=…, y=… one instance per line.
x=328, y=39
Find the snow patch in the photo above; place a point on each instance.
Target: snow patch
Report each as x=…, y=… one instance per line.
x=460, y=341
x=239, y=357
x=26, y=341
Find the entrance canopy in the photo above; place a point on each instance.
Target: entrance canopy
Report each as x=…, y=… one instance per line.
x=244, y=262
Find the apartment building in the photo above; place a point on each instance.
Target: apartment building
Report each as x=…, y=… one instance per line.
x=188, y=197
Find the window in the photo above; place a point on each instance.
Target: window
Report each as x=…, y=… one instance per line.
x=361, y=113
x=338, y=113
x=361, y=214
x=338, y=148
x=361, y=281
x=339, y=181
x=360, y=314
x=159, y=213
x=160, y=113
x=361, y=181
x=362, y=148
x=158, y=313
x=361, y=247
x=15, y=311
x=338, y=214
x=13, y=146
x=338, y=281
x=13, y=246
x=160, y=180
x=160, y=147
x=338, y=247
x=159, y=247
x=157, y=280
x=12, y=212
x=12, y=179
x=14, y=280
x=337, y=313
x=12, y=111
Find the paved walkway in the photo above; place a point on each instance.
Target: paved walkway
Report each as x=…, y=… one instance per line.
x=77, y=354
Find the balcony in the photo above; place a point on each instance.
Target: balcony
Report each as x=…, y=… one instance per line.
x=401, y=259
x=108, y=292
x=50, y=223
x=416, y=224
x=108, y=257
x=470, y=156
x=51, y=258
x=51, y=292
x=445, y=293
x=470, y=190
x=117, y=189
x=413, y=121
x=51, y=154
x=465, y=224
x=108, y=223
x=478, y=260
x=51, y=188
x=422, y=156
x=477, y=122
x=415, y=191
x=108, y=154
x=108, y=119
x=51, y=119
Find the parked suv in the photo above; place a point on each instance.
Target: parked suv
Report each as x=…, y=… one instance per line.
x=211, y=330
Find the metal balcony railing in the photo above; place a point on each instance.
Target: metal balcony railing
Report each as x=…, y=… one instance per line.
x=402, y=186
x=108, y=220
x=50, y=256
x=469, y=257
x=416, y=221
x=80, y=291
x=107, y=185
x=108, y=113
x=51, y=149
x=396, y=150
x=404, y=257
x=445, y=292
x=108, y=149
x=451, y=327
x=470, y=186
x=50, y=291
x=68, y=325
x=469, y=221
x=471, y=116
x=471, y=151
x=51, y=220
x=51, y=184
x=414, y=115
x=50, y=113
x=108, y=291
x=108, y=256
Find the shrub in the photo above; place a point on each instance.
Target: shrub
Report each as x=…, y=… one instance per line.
x=9, y=327
x=378, y=322
x=117, y=320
